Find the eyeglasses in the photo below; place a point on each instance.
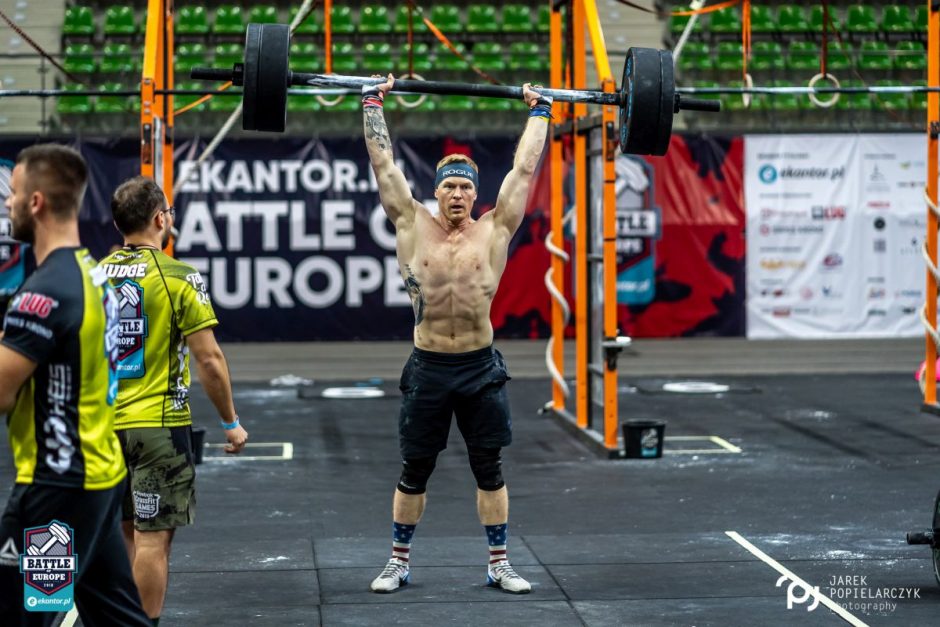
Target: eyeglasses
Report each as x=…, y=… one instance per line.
x=170, y=210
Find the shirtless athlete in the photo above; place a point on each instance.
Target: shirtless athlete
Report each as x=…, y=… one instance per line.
x=451, y=265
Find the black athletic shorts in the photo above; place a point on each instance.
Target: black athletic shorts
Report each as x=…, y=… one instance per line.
x=105, y=593
x=436, y=386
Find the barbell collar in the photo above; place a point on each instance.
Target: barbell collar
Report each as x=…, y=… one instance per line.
x=696, y=104
x=236, y=74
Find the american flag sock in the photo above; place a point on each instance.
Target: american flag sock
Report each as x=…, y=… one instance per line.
x=496, y=536
x=401, y=540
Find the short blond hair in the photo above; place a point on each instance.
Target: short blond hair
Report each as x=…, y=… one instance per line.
x=457, y=158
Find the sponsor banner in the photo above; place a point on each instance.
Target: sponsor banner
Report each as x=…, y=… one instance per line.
x=834, y=229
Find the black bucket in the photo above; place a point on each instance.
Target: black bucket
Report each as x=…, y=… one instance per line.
x=199, y=443
x=643, y=439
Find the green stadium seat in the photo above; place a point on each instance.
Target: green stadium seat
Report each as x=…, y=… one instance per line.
x=117, y=58
x=79, y=20
x=816, y=19
x=488, y=56
x=79, y=59
x=494, y=104
x=447, y=18
x=312, y=25
x=860, y=18
x=920, y=18
x=525, y=56
x=856, y=102
x=344, y=58
x=347, y=104
x=543, y=19
x=874, y=57
x=73, y=105
x=802, y=57
x=120, y=20
x=730, y=57
x=447, y=61
x=112, y=104
x=766, y=56
x=190, y=55
x=301, y=103
x=228, y=21
x=420, y=58
x=481, y=18
x=341, y=20
x=911, y=56
x=786, y=103
x=896, y=19
x=762, y=20
x=181, y=100
x=401, y=21
x=919, y=98
x=456, y=103
x=263, y=14
x=517, y=18
x=373, y=19
x=191, y=20
x=791, y=18
x=839, y=58
x=695, y=57
x=227, y=55
x=305, y=58
x=890, y=101
x=377, y=58
x=223, y=103
x=725, y=21
x=734, y=102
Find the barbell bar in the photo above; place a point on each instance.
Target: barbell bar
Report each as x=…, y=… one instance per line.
x=647, y=98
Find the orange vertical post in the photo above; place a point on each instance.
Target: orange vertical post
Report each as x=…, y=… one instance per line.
x=328, y=35
x=609, y=143
x=556, y=162
x=933, y=128
x=582, y=288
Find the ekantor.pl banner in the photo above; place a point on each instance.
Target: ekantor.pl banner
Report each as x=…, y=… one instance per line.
x=835, y=226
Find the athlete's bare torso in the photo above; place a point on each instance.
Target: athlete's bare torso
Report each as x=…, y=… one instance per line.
x=452, y=273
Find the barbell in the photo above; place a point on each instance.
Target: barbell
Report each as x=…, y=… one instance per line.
x=647, y=98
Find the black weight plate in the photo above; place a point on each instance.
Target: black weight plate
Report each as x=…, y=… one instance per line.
x=250, y=71
x=640, y=118
x=667, y=103
x=267, y=72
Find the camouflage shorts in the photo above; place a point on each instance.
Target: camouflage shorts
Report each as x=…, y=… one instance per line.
x=162, y=476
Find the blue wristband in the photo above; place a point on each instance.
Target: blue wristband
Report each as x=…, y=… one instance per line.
x=540, y=111
x=228, y=426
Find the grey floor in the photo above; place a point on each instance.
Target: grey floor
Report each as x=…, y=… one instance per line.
x=837, y=463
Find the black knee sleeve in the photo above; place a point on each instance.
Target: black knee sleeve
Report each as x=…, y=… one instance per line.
x=487, y=467
x=415, y=474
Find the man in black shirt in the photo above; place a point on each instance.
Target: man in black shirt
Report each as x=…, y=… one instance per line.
x=58, y=382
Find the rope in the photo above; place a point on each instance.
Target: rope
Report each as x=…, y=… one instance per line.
x=745, y=38
x=559, y=298
x=411, y=40
x=19, y=31
x=703, y=11
x=932, y=268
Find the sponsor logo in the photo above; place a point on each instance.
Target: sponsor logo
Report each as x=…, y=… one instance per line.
x=877, y=293
x=819, y=212
x=908, y=310
x=880, y=245
x=878, y=204
x=146, y=504
x=767, y=173
x=195, y=279
x=125, y=271
x=48, y=565
x=33, y=304
x=917, y=294
x=806, y=293
x=133, y=330
x=830, y=292
x=767, y=213
x=778, y=292
x=781, y=312
x=879, y=223
x=875, y=280
x=764, y=229
x=780, y=264
x=832, y=261
x=872, y=313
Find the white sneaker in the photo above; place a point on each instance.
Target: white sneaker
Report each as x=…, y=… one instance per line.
x=501, y=575
x=394, y=575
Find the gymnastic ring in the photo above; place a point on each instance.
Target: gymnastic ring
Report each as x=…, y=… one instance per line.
x=417, y=102
x=825, y=104
x=746, y=97
x=330, y=103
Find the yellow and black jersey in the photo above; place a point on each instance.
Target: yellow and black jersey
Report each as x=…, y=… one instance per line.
x=61, y=430
x=162, y=300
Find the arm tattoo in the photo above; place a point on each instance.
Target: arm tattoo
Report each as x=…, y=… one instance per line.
x=376, y=130
x=417, y=296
